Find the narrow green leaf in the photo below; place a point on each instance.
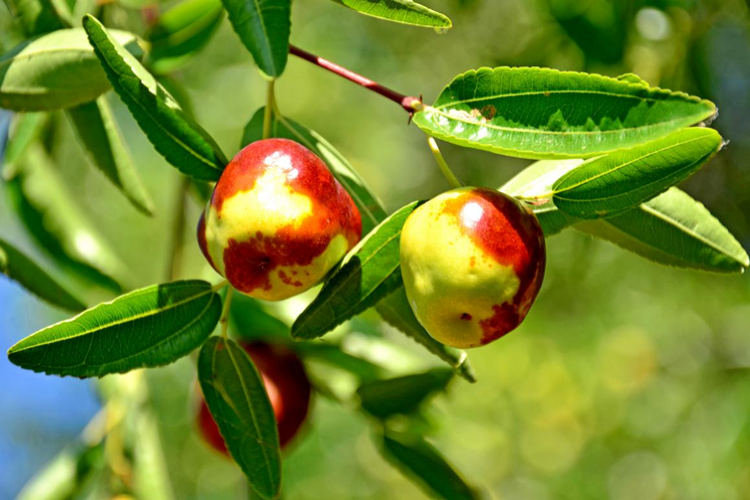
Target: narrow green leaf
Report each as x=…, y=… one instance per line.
x=181, y=32
x=547, y=114
x=369, y=272
x=264, y=27
x=54, y=71
x=420, y=460
x=149, y=327
x=18, y=267
x=536, y=181
x=35, y=16
x=252, y=320
x=182, y=142
x=335, y=356
x=99, y=134
x=52, y=216
x=676, y=230
x=395, y=310
x=67, y=476
x=370, y=208
x=400, y=11
x=622, y=180
x=402, y=395
x=238, y=401
x=25, y=130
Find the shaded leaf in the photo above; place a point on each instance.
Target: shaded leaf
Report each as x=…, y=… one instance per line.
x=400, y=11
x=252, y=321
x=622, y=180
x=369, y=206
x=57, y=70
x=420, y=460
x=237, y=399
x=369, y=272
x=182, y=32
x=395, y=310
x=264, y=27
x=335, y=356
x=149, y=327
x=18, y=267
x=99, y=134
x=182, y=142
x=402, y=395
x=547, y=114
x=35, y=16
x=26, y=128
x=676, y=230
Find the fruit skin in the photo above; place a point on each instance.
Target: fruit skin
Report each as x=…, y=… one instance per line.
x=473, y=262
x=277, y=221
x=288, y=390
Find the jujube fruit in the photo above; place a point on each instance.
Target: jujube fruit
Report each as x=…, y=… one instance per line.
x=286, y=384
x=472, y=261
x=277, y=221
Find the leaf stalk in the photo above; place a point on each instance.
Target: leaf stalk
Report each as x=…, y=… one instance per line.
x=444, y=168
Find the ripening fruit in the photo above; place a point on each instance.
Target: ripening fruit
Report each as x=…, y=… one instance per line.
x=287, y=386
x=277, y=221
x=473, y=261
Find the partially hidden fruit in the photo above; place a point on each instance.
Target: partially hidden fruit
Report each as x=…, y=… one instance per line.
x=287, y=386
x=277, y=221
x=473, y=261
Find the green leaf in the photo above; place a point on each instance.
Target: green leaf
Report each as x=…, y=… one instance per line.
x=181, y=32
x=370, y=208
x=369, y=272
x=238, y=401
x=252, y=321
x=400, y=11
x=52, y=216
x=537, y=180
x=18, y=267
x=335, y=356
x=547, y=114
x=99, y=134
x=68, y=475
x=420, y=460
x=676, y=230
x=622, y=180
x=402, y=395
x=182, y=142
x=264, y=27
x=395, y=310
x=36, y=16
x=25, y=130
x=55, y=71
x=149, y=327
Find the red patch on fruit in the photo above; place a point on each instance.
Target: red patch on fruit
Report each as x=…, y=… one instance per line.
x=510, y=234
x=202, y=240
x=248, y=264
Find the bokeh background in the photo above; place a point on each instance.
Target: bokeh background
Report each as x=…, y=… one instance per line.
x=627, y=381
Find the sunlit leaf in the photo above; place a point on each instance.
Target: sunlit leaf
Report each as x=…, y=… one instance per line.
x=547, y=114
x=18, y=267
x=369, y=206
x=100, y=135
x=264, y=27
x=181, y=141
x=402, y=395
x=369, y=272
x=181, y=32
x=676, y=230
x=54, y=71
x=400, y=11
x=25, y=129
x=622, y=180
x=237, y=399
x=149, y=327
x=395, y=310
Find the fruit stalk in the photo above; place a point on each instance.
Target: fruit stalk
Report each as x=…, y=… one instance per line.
x=444, y=168
x=410, y=104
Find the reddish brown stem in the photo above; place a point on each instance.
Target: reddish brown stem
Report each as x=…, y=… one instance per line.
x=410, y=104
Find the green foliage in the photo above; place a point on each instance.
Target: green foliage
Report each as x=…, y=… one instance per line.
x=36, y=16
x=69, y=475
x=546, y=114
x=17, y=266
x=150, y=327
x=55, y=71
x=369, y=207
x=237, y=399
x=617, y=182
x=101, y=137
x=182, y=142
x=400, y=11
x=264, y=27
x=368, y=273
x=402, y=395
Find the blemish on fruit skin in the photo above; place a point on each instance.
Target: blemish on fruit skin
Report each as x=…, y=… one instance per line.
x=289, y=280
x=466, y=317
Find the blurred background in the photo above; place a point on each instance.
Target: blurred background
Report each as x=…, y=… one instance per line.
x=628, y=380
